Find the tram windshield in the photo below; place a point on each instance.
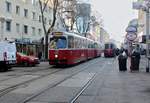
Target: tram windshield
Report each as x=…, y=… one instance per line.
x=109, y=46
x=58, y=42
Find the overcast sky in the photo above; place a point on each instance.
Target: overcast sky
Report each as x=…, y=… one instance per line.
x=116, y=15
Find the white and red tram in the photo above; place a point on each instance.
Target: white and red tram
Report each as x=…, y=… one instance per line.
x=67, y=48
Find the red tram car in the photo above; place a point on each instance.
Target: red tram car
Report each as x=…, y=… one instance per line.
x=67, y=48
x=110, y=49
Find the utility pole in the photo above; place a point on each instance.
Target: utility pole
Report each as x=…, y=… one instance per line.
x=147, y=38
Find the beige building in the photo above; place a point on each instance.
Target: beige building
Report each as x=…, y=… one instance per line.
x=104, y=36
x=20, y=21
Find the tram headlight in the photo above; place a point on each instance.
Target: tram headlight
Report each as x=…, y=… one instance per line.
x=56, y=56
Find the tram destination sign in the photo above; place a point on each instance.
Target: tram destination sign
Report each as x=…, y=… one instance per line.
x=57, y=33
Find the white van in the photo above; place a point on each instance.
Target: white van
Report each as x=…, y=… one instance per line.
x=7, y=55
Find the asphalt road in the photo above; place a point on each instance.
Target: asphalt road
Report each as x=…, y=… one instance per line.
x=94, y=81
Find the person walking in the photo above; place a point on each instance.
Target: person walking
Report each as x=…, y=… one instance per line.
x=135, y=59
x=40, y=55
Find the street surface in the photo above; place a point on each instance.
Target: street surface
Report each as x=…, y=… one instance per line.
x=94, y=81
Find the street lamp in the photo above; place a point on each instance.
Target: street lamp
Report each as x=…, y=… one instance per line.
x=2, y=20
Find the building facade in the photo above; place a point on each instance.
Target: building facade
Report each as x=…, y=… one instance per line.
x=104, y=36
x=21, y=21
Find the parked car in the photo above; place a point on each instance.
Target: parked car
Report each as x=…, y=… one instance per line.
x=26, y=60
x=7, y=55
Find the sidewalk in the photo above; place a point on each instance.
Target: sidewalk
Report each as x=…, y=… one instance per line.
x=113, y=86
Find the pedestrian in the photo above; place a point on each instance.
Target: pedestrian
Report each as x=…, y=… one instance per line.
x=117, y=52
x=122, y=61
x=135, y=59
x=40, y=55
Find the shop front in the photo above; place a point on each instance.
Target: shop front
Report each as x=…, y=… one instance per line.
x=28, y=47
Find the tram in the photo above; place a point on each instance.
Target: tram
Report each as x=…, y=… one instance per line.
x=66, y=48
x=110, y=49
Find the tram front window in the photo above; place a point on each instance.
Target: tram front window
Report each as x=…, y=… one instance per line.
x=106, y=46
x=58, y=43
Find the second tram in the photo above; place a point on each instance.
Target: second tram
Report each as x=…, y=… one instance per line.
x=110, y=50
x=67, y=48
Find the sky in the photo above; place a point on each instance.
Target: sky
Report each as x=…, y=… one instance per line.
x=116, y=15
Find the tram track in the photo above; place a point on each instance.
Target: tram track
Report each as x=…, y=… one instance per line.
x=49, y=87
x=11, y=88
x=83, y=89
x=73, y=100
x=26, y=72
x=5, y=91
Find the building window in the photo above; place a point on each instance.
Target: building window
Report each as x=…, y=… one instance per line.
x=33, y=15
x=17, y=28
x=33, y=30
x=17, y=10
x=34, y=2
x=25, y=13
x=8, y=6
x=39, y=31
x=25, y=29
x=40, y=18
x=8, y=25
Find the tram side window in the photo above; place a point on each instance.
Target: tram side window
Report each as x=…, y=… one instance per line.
x=70, y=42
x=80, y=44
x=89, y=45
x=86, y=44
x=77, y=43
x=83, y=44
x=95, y=45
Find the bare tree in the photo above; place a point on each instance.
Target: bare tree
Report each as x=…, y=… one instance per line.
x=43, y=5
x=68, y=12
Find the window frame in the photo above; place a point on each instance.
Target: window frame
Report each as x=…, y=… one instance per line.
x=25, y=29
x=8, y=25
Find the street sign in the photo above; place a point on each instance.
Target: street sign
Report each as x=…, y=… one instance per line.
x=131, y=36
x=131, y=29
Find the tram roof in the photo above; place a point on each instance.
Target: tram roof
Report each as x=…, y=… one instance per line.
x=78, y=35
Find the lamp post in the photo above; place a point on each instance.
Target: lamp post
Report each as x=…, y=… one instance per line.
x=2, y=20
x=147, y=39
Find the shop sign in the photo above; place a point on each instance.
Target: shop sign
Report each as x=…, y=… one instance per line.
x=23, y=40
